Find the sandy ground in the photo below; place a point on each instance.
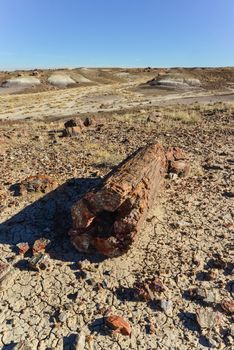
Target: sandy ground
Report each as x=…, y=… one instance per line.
x=103, y=97
x=186, y=241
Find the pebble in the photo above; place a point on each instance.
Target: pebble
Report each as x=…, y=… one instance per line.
x=167, y=307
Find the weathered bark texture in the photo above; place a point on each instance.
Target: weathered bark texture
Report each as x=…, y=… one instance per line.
x=108, y=219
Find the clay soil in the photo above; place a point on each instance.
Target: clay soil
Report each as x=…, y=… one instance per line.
x=186, y=241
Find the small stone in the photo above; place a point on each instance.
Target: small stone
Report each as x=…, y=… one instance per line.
x=207, y=295
x=173, y=176
x=228, y=306
x=167, y=307
x=207, y=318
x=23, y=248
x=38, y=262
x=118, y=325
x=212, y=274
x=40, y=245
x=156, y=285
x=79, y=342
x=62, y=317
x=73, y=127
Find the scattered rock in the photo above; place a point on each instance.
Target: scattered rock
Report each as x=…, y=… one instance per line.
x=212, y=274
x=73, y=127
x=23, y=248
x=228, y=306
x=207, y=318
x=5, y=270
x=7, y=273
x=145, y=290
x=207, y=295
x=38, y=183
x=40, y=245
x=88, y=122
x=167, y=307
x=79, y=342
x=177, y=163
x=118, y=325
x=38, y=262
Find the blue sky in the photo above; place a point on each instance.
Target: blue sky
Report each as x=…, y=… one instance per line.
x=157, y=33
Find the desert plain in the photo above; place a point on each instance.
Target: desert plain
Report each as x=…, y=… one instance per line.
x=187, y=238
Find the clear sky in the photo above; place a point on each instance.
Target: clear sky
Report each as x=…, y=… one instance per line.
x=73, y=33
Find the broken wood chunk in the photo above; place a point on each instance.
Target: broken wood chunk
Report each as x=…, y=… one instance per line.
x=23, y=248
x=73, y=127
x=39, y=245
x=108, y=218
x=177, y=163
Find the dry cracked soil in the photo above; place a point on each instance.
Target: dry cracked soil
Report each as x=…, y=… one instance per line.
x=186, y=241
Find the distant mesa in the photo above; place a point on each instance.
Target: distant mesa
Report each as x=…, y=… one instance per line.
x=23, y=81
x=60, y=80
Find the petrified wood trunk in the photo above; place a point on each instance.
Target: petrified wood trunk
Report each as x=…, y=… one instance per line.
x=108, y=218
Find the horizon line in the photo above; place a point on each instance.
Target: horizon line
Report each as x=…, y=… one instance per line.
x=112, y=67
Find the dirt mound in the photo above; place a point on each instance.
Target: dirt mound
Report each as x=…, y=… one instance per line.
x=26, y=81
x=79, y=78
x=60, y=80
x=177, y=81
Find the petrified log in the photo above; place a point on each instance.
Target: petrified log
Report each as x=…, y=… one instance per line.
x=108, y=218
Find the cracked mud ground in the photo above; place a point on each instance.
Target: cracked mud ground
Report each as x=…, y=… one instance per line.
x=187, y=239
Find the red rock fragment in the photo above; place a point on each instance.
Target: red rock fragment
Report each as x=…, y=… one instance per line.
x=118, y=325
x=23, y=248
x=177, y=163
x=228, y=306
x=179, y=167
x=39, y=245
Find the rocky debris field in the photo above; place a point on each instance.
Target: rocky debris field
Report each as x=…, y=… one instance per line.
x=173, y=290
